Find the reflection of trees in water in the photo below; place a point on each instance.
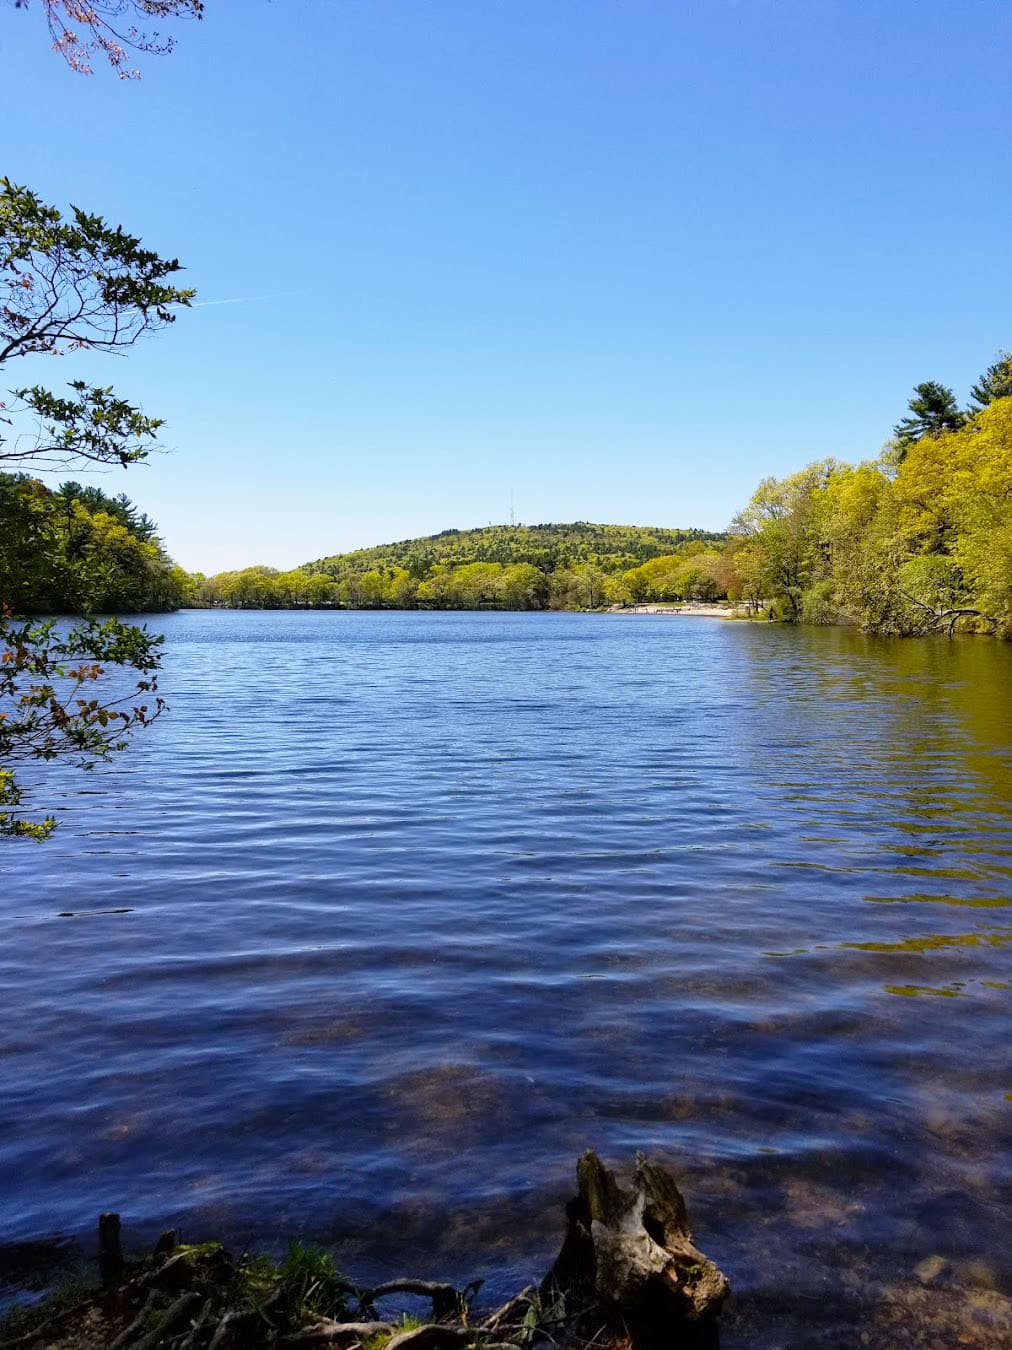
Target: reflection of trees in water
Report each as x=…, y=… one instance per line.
x=900, y=745
x=886, y=767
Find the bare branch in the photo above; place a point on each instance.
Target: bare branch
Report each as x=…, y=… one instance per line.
x=81, y=29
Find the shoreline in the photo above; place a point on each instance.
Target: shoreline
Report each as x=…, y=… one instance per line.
x=689, y=609
x=627, y=1277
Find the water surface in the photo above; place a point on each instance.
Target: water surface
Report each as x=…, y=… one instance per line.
x=422, y=905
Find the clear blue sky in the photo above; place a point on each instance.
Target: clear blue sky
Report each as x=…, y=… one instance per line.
x=621, y=258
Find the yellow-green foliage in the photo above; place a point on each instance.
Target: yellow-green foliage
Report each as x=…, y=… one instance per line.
x=897, y=545
x=579, y=566
x=76, y=550
x=550, y=548
x=694, y=573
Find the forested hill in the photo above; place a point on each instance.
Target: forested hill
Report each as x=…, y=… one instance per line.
x=918, y=540
x=573, y=566
x=550, y=548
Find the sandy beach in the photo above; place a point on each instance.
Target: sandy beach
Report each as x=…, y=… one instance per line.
x=698, y=610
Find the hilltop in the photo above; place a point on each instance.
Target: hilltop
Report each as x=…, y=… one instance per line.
x=550, y=548
x=573, y=566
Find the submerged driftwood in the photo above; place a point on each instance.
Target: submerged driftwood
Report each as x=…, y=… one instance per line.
x=627, y=1278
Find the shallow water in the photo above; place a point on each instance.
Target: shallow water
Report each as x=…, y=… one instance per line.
x=422, y=905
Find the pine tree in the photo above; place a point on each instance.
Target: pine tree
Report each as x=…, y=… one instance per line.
x=995, y=383
x=933, y=410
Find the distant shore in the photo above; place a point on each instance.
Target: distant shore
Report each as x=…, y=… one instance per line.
x=702, y=611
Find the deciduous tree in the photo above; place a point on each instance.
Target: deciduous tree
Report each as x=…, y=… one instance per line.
x=69, y=285
x=83, y=29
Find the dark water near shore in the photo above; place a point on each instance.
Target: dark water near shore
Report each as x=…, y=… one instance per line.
x=423, y=905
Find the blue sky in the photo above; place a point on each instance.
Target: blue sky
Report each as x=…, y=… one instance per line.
x=617, y=258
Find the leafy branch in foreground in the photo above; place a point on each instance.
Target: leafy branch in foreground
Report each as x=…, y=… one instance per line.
x=82, y=28
x=77, y=284
x=48, y=709
x=69, y=284
x=95, y=426
x=66, y=285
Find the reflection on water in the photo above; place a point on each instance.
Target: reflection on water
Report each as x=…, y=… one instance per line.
x=395, y=914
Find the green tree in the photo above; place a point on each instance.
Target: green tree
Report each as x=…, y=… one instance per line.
x=749, y=578
x=933, y=410
x=905, y=546
x=995, y=383
x=69, y=285
x=522, y=586
x=779, y=525
x=76, y=550
x=954, y=495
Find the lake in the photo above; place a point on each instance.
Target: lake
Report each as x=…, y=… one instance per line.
x=421, y=905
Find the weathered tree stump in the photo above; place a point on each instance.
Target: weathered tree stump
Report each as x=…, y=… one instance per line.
x=627, y=1278
x=629, y=1262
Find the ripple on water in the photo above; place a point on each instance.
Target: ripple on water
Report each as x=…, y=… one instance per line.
x=413, y=908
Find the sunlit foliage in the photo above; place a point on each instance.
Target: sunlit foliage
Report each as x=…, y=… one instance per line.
x=76, y=550
x=67, y=285
x=908, y=544
x=511, y=567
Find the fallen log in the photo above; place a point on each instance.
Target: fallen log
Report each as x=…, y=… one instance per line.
x=432, y=1337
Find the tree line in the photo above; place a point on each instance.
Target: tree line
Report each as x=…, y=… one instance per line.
x=76, y=550
x=916, y=541
x=510, y=567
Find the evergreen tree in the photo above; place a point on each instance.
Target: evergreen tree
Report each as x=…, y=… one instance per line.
x=933, y=410
x=995, y=383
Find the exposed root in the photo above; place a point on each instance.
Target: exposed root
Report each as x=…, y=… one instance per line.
x=627, y=1276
